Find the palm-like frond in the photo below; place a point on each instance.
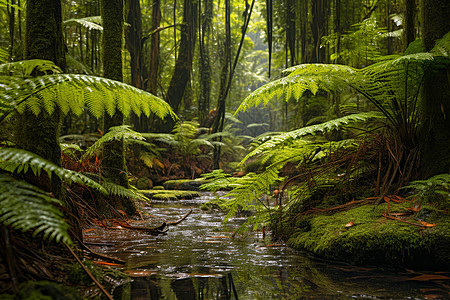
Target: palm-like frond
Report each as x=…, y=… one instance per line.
x=19, y=160
x=25, y=68
x=277, y=141
x=72, y=92
x=301, y=78
x=123, y=132
x=25, y=207
x=88, y=22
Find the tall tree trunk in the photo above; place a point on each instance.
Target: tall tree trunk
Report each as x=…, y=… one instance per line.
x=113, y=163
x=409, y=30
x=291, y=31
x=154, y=48
x=43, y=40
x=205, y=67
x=183, y=65
x=317, y=27
x=134, y=45
x=436, y=96
x=226, y=66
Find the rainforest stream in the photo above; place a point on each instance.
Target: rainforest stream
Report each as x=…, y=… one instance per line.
x=199, y=259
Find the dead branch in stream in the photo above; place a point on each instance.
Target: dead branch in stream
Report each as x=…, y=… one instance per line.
x=179, y=221
x=151, y=230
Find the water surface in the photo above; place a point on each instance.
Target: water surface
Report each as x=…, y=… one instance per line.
x=199, y=259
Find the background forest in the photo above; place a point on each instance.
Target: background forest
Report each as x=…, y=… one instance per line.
x=309, y=104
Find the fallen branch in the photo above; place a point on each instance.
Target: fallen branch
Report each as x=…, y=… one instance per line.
x=89, y=273
x=179, y=221
x=98, y=255
x=151, y=230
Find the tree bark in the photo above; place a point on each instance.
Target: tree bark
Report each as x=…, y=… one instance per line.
x=113, y=163
x=183, y=65
x=43, y=40
x=409, y=30
x=436, y=92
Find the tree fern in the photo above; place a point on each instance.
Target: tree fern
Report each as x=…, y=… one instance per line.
x=25, y=207
x=72, y=92
x=19, y=160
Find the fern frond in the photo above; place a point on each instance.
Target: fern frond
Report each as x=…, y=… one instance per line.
x=88, y=22
x=120, y=191
x=122, y=132
x=25, y=207
x=25, y=68
x=287, y=137
x=312, y=77
x=19, y=160
x=3, y=55
x=71, y=92
x=442, y=47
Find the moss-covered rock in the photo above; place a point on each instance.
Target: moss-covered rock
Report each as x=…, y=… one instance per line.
x=374, y=239
x=169, y=194
x=144, y=184
x=184, y=184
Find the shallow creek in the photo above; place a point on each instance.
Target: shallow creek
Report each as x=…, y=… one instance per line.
x=198, y=259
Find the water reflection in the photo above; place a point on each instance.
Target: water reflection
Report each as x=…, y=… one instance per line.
x=198, y=259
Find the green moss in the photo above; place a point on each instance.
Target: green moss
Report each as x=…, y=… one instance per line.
x=374, y=239
x=184, y=184
x=77, y=275
x=45, y=290
x=170, y=194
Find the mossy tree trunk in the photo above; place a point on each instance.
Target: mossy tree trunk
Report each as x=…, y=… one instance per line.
x=113, y=163
x=436, y=96
x=43, y=40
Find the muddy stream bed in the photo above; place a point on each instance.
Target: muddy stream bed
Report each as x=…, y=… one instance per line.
x=198, y=259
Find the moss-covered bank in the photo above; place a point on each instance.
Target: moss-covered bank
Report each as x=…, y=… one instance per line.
x=185, y=184
x=374, y=239
x=158, y=194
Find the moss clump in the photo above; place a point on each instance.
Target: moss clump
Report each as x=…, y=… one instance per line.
x=374, y=239
x=77, y=275
x=170, y=194
x=185, y=184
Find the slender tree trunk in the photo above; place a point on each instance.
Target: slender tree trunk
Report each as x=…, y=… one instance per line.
x=113, y=163
x=409, y=30
x=154, y=48
x=436, y=96
x=205, y=67
x=43, y=40
x=183, y=65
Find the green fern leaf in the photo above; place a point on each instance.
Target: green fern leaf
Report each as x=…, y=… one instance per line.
x=287, y=137
x=89, y=22
x=25, y=207
x=19, y=160
x=71, y=92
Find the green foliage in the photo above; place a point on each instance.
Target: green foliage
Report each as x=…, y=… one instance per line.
x=123, y=132
x=19, y=160
x=25, y=207
x=184, y=139
x=277, y=141
x=432, y=190
x=72, y=92
x=88, y=22
x=362, y=45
